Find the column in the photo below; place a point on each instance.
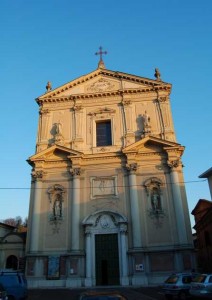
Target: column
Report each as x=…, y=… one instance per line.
x=124, y=261
x=88, y=258
x=178, y=205
x=75, y=209
x=136, y=228
x=35, y=226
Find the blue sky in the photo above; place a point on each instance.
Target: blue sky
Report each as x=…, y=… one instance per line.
x=56, y=40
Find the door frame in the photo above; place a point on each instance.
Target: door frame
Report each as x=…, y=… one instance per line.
x=105, y=222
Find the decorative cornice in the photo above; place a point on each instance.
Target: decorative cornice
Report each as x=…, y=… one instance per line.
x=102, y=111
x=55, y=98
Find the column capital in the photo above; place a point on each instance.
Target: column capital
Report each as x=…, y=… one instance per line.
x=76, y=171
x=132, y=167
x=126, y=102
x=37, y=175
x=173, y=164
x=77, y=108
x=123, y=228
x=43, y=111
x=88, y=231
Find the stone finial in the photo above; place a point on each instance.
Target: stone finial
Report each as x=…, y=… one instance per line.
x=157, y=74
x=48, y=86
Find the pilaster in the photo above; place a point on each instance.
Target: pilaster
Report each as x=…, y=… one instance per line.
x=135, y=217
x=35, y=225
x=75, y=209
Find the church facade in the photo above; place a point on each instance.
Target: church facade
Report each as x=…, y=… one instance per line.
x=108, y=203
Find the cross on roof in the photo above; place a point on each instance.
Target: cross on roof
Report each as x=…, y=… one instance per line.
x=100, y=52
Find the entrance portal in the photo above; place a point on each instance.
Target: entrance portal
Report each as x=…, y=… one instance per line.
x=107, y=259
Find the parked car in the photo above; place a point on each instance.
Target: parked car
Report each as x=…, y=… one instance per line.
x=202, y=286
x=3, y=293
x=14, y=283
x=177, y=286
x=98, y=295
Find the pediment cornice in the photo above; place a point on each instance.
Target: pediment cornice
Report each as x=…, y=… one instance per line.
x=141, y=145
x=47, y=153
x=61, y=94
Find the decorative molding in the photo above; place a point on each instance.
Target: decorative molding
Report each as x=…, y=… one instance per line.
x=154, y=199
x=152, y=182
x=102, y=111
x=56, y=194
x=101, y=85
x=131, y=92
x=103, y=186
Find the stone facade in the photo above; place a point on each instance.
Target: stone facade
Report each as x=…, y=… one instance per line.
x=95, y=193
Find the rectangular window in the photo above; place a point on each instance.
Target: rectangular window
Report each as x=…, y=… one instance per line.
x=103, y=133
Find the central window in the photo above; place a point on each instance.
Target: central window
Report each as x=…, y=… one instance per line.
x=103, y=133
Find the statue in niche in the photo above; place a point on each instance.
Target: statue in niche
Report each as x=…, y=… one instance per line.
x=155, y=200
x=58, y=128
x=146, y=119
x=57, y=133
x=146, y=125
x=57, y=207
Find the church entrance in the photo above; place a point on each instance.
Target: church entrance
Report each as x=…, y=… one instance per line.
x=107, y=259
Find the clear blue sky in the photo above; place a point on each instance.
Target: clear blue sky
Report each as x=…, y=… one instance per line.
x=56, y=40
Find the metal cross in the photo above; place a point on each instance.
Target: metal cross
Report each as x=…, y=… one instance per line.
x=100, y=52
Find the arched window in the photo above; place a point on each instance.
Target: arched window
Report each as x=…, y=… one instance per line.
x=12, y=262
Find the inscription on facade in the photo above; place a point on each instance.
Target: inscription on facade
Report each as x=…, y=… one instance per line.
x=103, y=186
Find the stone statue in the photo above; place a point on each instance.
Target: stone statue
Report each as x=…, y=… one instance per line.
x=48, y=86
x=57, y=206
x=146, y=119
x=58, y=128
x=155, y=199
x=157, y=74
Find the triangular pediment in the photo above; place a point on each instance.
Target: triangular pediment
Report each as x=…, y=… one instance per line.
x=103, y=81
x=55, y=152
x=151, y=144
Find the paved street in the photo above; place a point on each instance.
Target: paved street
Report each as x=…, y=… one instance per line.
x=67, y=294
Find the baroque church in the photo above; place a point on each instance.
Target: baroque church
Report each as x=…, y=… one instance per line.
x=108, y=203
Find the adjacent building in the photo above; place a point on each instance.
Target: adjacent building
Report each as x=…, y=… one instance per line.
x=12, y=247
x=203, y=226
x=108, y=204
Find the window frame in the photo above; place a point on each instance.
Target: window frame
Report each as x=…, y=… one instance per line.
x=98, y=120
x=106, y=121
